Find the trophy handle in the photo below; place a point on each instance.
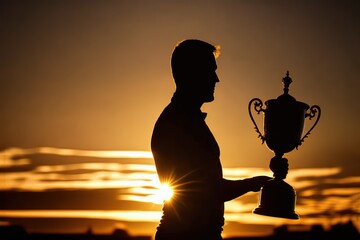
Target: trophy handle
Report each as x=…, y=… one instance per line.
x=258, y=108
x=313, y=110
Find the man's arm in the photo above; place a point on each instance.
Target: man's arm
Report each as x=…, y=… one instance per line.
x=231, y=189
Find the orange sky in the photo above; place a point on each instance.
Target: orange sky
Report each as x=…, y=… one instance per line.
x=95, y=75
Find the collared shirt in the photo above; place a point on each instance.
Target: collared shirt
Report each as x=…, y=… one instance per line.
x=187, y=157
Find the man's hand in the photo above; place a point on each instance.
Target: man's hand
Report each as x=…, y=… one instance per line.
x=257, y=182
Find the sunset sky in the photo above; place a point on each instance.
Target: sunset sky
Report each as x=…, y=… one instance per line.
x=83, y=82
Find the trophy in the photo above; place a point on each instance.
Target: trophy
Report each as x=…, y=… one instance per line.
x=283, y=127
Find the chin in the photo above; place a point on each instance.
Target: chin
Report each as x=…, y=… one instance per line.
x=209, y=99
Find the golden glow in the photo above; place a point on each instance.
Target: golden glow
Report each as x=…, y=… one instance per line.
x=111, y=96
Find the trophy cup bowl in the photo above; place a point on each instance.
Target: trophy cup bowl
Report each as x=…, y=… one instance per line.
x=284, y=124
x=283, y=127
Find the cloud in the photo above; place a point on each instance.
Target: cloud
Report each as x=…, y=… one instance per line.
x=321, y=192
x=77, y=152
x=145, y=216
x=13, y=158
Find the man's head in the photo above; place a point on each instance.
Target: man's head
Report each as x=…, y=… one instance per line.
x=194, y=69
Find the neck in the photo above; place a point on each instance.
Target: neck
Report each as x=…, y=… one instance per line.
x=188, y=99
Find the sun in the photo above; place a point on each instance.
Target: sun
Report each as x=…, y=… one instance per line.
x=164, y=192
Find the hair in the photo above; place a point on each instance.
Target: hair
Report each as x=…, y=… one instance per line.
x=188, y=56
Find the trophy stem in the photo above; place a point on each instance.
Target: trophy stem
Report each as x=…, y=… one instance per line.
x=279, y=166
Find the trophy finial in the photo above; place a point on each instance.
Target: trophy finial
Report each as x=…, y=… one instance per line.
x=286, y=81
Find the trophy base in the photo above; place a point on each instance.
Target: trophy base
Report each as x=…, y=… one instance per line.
x=277, y=199
x=271, y=213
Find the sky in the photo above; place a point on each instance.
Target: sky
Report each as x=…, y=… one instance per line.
x=93, y=76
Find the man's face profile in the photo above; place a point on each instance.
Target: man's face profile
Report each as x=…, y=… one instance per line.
x=194, y=70
x=201, y=79
x=205, y=79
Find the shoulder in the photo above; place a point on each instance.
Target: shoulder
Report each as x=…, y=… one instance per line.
x=170, y=127
x=170, y=118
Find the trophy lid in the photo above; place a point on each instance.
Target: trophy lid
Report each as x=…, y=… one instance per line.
x=286, y=99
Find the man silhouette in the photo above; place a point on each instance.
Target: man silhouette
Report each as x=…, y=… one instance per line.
x=187, y=155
